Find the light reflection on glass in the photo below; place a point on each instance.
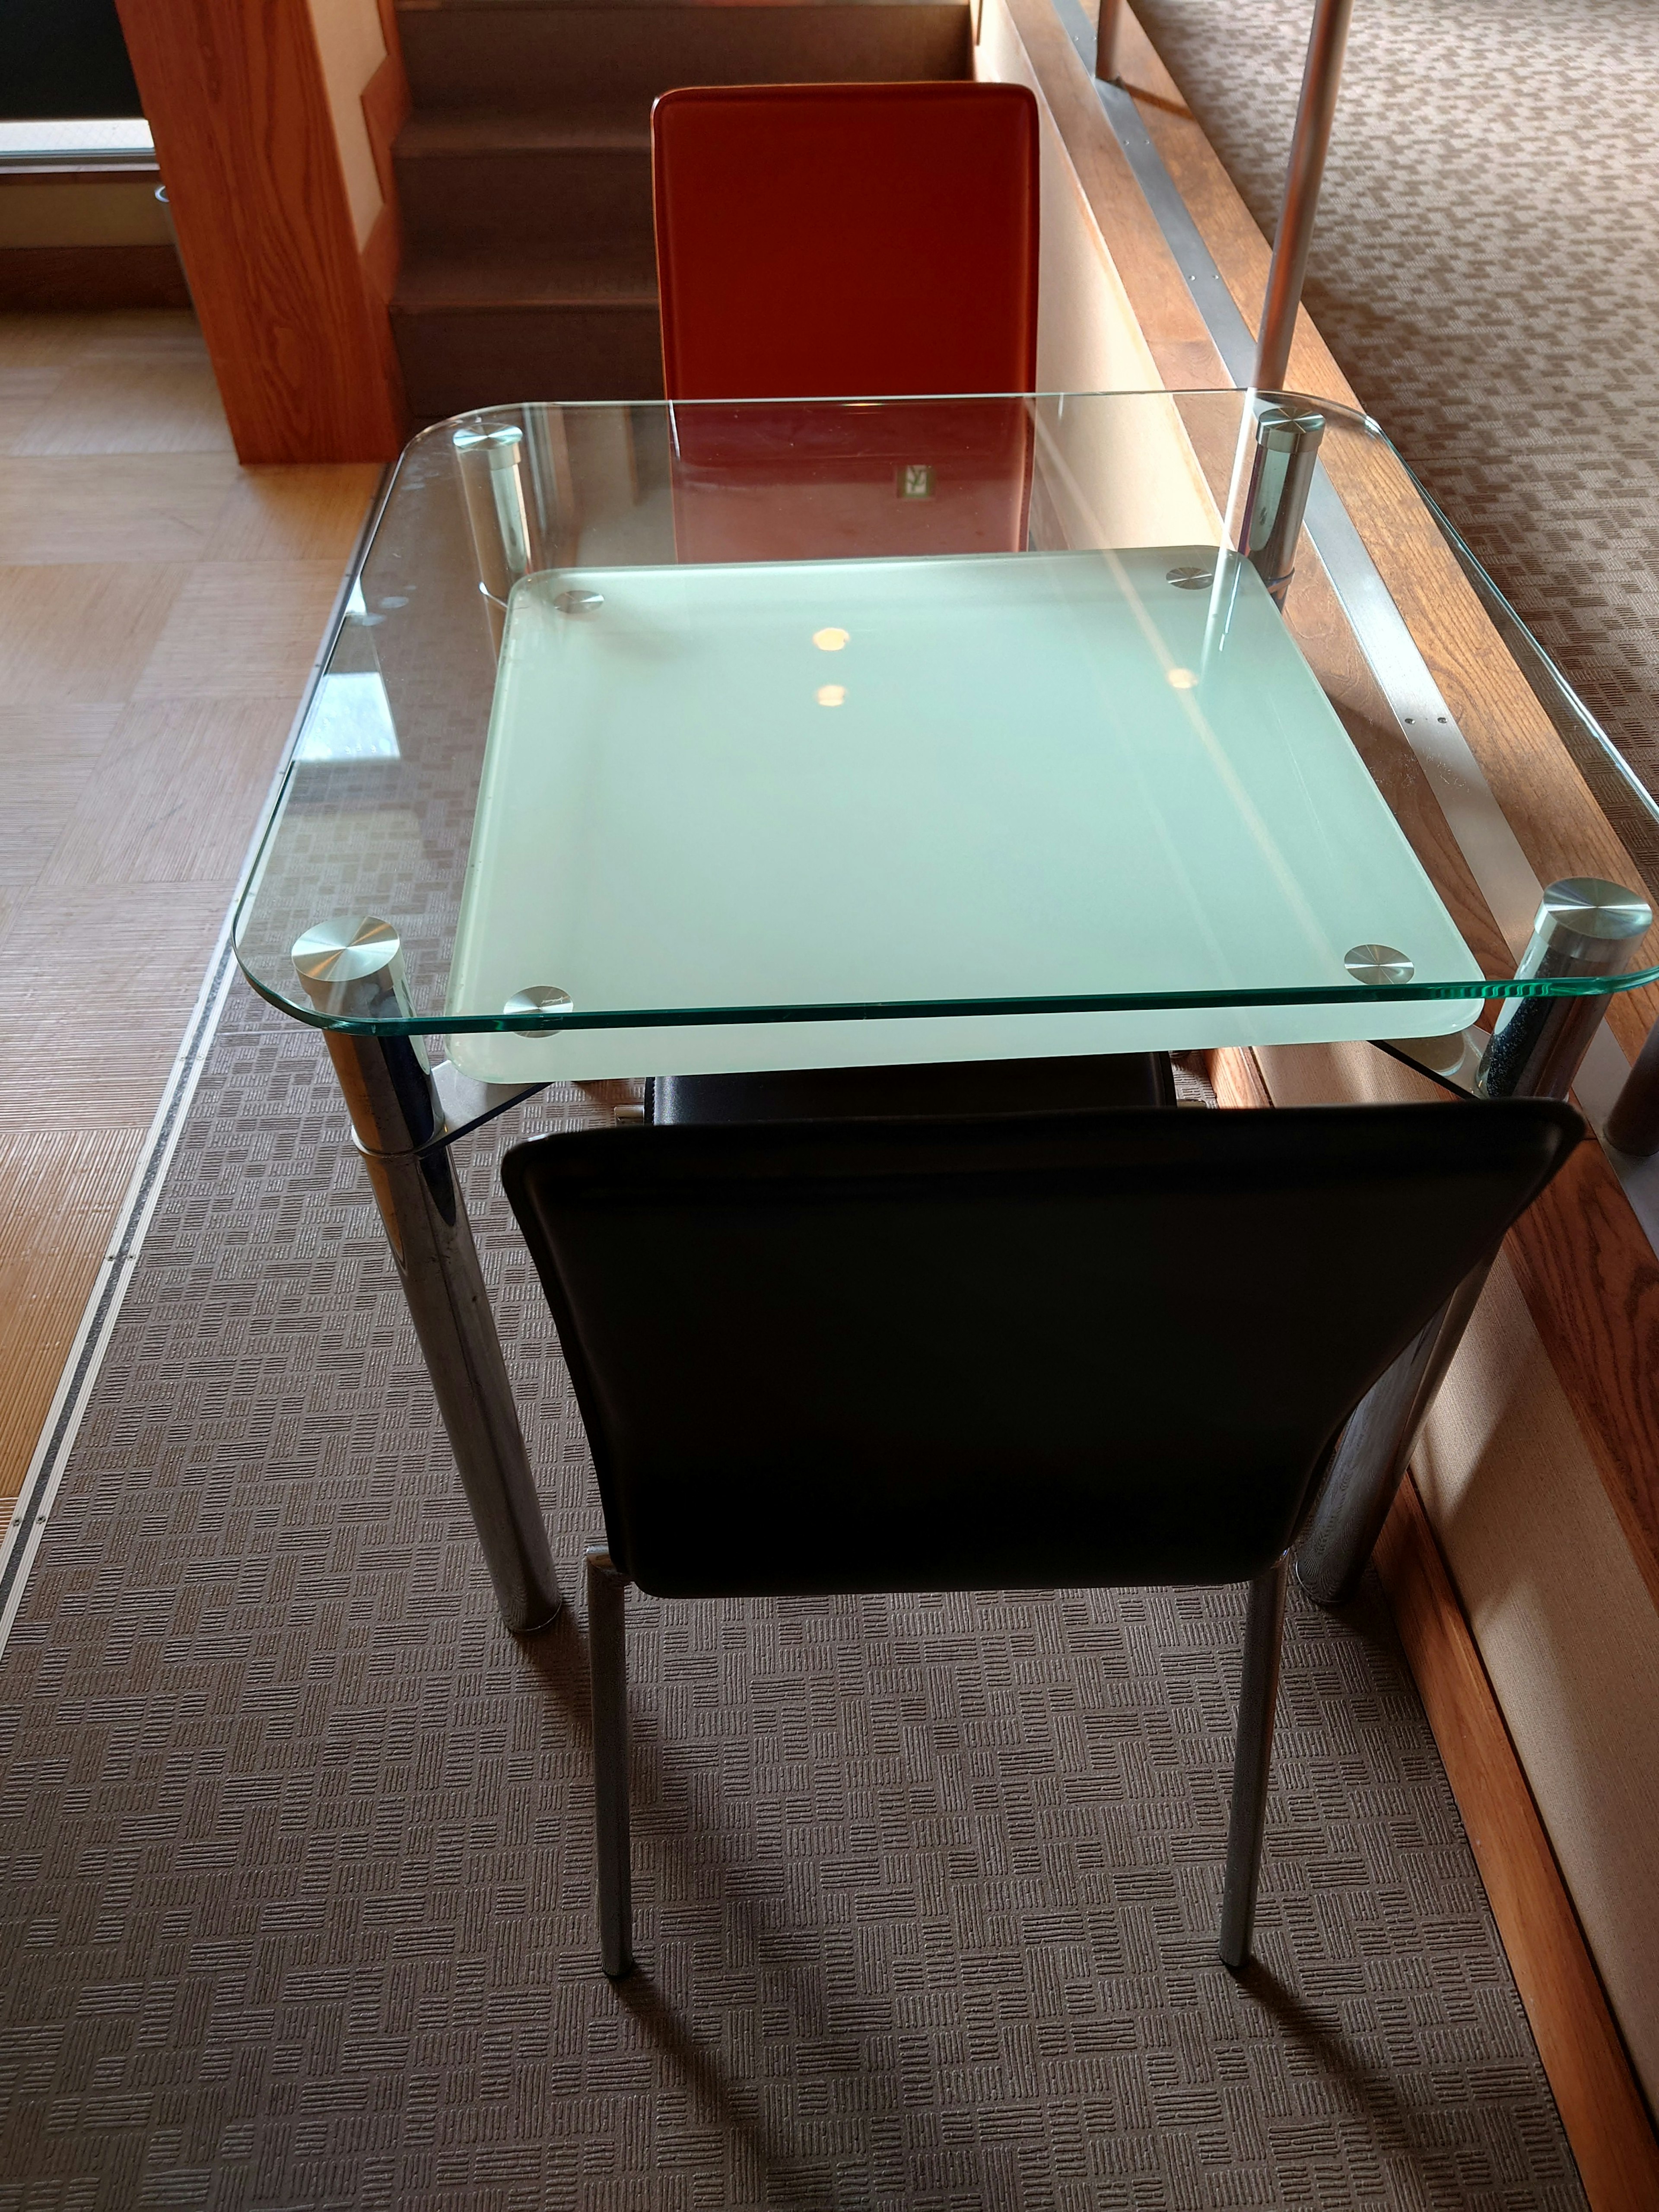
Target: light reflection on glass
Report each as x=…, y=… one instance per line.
x=351, y=719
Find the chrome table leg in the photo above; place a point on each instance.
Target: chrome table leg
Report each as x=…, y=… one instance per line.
x=1583, y=927
x=355, y=969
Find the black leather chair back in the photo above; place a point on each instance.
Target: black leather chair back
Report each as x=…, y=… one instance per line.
x=1016, y=1352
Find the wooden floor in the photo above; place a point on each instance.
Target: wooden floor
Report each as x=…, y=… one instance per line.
x=159, y=610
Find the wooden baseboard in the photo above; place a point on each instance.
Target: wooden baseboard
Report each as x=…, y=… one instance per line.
x=45, y=276
x=1597, y=2093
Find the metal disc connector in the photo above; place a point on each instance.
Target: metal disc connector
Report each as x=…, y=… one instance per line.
x=352, y=966
x=538, y=999
x=1377, y=965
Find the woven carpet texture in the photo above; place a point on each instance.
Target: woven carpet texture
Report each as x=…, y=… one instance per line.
x=295, y=1859
x=1485, y=268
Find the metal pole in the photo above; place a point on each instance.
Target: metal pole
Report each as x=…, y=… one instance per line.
x=1303, y=174
x=1106, y=40
x=354, y=968
x=1583, y=927
x=1281, y=476
x=491, y=462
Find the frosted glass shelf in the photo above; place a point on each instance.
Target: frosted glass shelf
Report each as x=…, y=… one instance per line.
x=864, y=783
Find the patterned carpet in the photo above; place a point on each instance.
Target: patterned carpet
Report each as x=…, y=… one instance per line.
x=1486, y=271
x=295, y=1870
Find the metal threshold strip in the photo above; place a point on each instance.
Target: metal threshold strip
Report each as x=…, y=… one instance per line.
x=1505, y=876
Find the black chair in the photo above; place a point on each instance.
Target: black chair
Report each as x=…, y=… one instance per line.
x=1054, y=1351
x=1097, y=1080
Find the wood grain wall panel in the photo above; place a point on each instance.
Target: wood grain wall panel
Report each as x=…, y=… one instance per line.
x=1596, y=2090
x=1235, y=1077
x=301, y=341
x=1591, y=1283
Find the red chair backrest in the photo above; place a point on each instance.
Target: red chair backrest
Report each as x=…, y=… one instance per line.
x=841, y=240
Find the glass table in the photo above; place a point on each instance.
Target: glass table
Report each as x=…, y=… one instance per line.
x=663, y=740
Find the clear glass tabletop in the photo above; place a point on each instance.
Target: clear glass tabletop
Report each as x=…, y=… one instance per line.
x=661, y=739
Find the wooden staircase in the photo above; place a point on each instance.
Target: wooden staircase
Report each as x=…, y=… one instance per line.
x=524, y=171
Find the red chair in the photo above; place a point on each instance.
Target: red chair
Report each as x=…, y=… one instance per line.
x=840, y=239
x=847, y=240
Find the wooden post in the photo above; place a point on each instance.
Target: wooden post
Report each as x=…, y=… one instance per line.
x=299, y=335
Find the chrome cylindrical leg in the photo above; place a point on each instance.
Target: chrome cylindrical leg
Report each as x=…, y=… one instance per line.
x=1258, y=1702
x=491, y=465
x=1303, y=174
x=607, y=1660
x=1583, y=927
x=1281, y=476
x=355, y=967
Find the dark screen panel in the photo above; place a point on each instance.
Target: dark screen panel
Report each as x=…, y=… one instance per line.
x=64, y=57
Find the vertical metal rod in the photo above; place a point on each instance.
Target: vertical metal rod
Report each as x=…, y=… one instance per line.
x=607, y=1660
x=490, y=463
x=1276, y=498
x=1107, y=33
x=1303, y=174
x=1258, y=1702
x=354, y=968
x=1582, y=927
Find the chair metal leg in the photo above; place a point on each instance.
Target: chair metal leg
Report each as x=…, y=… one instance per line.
x=1258, y=1697
x=607, y=1658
